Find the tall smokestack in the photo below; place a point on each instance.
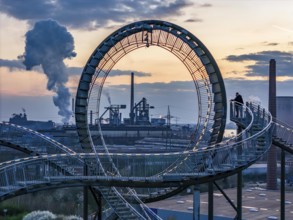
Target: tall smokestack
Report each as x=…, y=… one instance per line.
x=73, y=104
x=272, y=154
x=131, y=114
x=91, y=117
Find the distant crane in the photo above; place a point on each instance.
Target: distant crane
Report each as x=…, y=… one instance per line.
x=169, y=117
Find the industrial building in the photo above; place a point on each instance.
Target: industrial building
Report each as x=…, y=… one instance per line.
x=285, y=109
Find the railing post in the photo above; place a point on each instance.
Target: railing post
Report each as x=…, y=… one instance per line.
x=263, y=116
x=24, y=176
x=6, y=178
x=239, y=146
x=14, y=174
x=246, y=114
x=258, y=113
x=250, y=106
x=289, y=137
x=231, y=110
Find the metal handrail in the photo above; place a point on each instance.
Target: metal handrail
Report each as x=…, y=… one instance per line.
x=45, y=138
x=283, y=132
x=207, y=153
x=54, y=143
x=215, y=156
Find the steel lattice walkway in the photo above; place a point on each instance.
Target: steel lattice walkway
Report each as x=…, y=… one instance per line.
x=66, y=168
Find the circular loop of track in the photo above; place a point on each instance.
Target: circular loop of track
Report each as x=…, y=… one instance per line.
x=185, y=46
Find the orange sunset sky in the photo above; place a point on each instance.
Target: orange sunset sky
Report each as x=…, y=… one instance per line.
x=242, y=35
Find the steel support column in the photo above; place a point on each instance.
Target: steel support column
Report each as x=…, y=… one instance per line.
x=85, y=196
x=226, y=197
x=239, y=195
x=211, y=202
x=283, y=176
x=100, y=207
x=98, y=198
x=196, y=203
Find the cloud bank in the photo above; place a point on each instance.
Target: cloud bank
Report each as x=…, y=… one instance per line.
x=14, y=65
x=91, y=14
x=284, y=62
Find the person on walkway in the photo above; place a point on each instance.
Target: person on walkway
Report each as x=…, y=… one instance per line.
x=239, y=102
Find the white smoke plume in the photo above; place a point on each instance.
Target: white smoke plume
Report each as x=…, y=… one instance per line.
x=254, y=99
x=48, y=44
x=107, y=94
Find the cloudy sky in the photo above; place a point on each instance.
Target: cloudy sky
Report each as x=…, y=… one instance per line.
x=242, y=35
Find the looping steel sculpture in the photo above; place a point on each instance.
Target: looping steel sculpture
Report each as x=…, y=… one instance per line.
x=212, y=106
x=211, y=95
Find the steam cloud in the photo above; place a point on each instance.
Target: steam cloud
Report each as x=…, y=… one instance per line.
x=254, y=99
x=107, y=94
x=48, y=44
